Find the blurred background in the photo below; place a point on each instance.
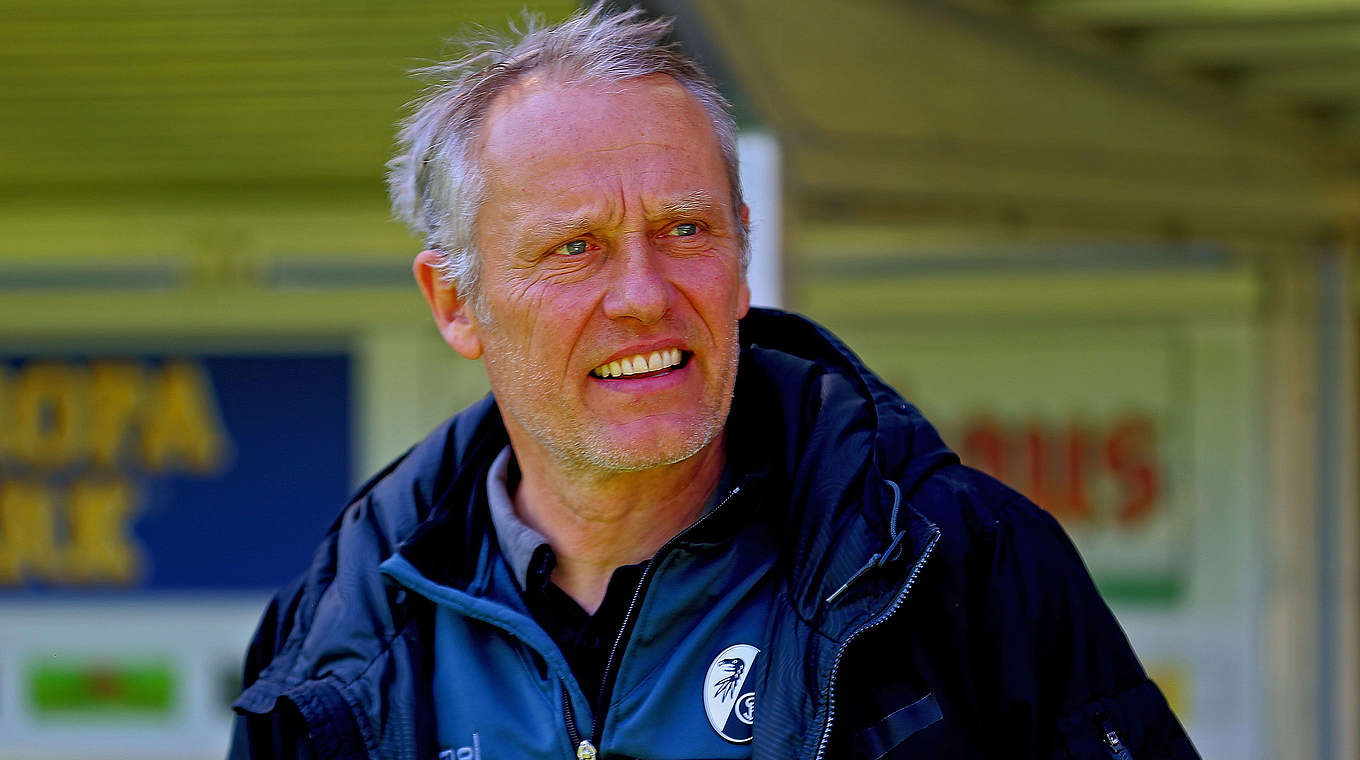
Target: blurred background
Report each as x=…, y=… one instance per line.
x=1109, y=246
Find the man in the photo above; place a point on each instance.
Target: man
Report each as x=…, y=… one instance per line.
x=682, y=528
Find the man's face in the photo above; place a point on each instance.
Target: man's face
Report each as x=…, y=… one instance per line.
x=607, y=235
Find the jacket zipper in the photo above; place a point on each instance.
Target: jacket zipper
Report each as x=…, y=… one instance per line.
x=883, y=618
x=573, y=732
x=586, y=748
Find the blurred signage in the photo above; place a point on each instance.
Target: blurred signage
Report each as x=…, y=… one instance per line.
x=101, y=687
x=1069, y=468
x=1091, y=424
x=1102, y=479
x=168, y=472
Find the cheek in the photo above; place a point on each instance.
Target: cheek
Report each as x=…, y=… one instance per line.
x=713, y=284
x=520, y=308
x=548, y=319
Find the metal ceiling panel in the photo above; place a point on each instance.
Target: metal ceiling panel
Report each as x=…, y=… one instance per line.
x=1299, y=58
x=163, y=93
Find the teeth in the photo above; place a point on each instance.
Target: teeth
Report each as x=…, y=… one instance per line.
x=634, y=365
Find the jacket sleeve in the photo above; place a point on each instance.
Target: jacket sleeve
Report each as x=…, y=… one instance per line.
x=280, y=734
x=1065, y=668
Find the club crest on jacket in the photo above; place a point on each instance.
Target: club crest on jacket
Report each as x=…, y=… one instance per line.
x=731, y=708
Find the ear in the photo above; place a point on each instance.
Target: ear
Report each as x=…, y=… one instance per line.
x=452, y=315
x=744, y=293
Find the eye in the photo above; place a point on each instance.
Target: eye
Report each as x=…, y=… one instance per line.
x=685, y=229
x=573, y=248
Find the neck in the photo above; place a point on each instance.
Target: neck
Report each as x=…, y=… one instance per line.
x=597, y=522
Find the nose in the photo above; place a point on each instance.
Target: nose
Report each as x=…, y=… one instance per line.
x=637, y=284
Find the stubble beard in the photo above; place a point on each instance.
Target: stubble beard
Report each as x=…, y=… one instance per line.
x=580, y=447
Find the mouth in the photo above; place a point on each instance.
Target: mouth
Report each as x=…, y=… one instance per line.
x=642, y=365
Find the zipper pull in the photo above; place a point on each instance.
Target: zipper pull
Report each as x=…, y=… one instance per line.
x=874, y=561
x=586, y=751
x=1117, y=749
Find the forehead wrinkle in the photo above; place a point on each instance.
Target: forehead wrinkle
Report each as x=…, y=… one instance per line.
x=533, y=225
x=634, y=144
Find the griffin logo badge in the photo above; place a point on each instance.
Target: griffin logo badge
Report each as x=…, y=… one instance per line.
x=730, y=709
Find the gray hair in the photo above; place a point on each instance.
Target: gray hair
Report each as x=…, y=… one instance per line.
x=436, y=181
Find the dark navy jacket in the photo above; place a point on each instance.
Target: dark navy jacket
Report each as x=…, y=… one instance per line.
x=922, y=609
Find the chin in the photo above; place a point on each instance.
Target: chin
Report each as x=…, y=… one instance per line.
x=638, y=455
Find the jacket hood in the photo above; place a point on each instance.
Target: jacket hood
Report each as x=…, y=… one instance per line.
x=837, y=384
x=846, y=455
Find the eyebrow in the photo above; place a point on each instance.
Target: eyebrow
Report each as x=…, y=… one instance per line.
x=553, y=228
x=697, y=203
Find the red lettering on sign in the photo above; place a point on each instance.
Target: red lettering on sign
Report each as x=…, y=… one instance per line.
x=1129, y=454
x=1080, y=473
x=984, y=446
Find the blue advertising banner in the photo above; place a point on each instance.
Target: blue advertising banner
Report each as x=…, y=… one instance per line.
x=156, y=473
